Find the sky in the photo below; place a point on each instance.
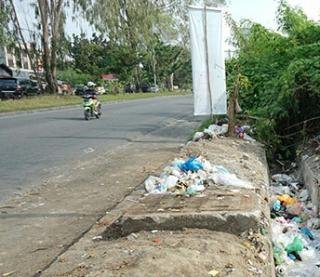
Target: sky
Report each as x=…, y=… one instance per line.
x=264, y=11
x=261, y=11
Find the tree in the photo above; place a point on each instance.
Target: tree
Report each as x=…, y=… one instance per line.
x=50, y=13
x=284, y=72
x=4, y=19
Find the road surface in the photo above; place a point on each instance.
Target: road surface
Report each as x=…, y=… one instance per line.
x=35, y=146
x=70, y=172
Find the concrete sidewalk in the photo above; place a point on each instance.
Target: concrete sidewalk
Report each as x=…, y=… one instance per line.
x=224, y=231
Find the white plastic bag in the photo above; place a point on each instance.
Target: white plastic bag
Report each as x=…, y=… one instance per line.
x=170, y=182
x=221, y=176
x=153, y=185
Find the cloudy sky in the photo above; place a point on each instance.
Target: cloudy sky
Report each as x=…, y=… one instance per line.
x=262, y=11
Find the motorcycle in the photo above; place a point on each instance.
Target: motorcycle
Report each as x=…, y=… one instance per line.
x=91, y=108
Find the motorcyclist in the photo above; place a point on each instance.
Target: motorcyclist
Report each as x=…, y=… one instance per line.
x=96, y=105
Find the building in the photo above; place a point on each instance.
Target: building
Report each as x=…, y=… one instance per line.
x=109, y=77
x=18, y=61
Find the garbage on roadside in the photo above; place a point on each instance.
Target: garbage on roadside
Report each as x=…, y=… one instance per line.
x=212, y=131
x=216, y=130
x=295, y=232
x=242, y=132
x=192, y=176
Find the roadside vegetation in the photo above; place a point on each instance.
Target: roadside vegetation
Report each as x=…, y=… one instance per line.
x=282, y=72
x=50, y=101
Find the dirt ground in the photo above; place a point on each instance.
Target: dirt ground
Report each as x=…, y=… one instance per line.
x=188, y=253
x=191, y=252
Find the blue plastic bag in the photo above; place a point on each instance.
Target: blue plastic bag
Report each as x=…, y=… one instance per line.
x=306, y=231
x=191, y=165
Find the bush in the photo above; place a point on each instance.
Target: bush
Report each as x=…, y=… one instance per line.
x=73, y=76
x=284, y=76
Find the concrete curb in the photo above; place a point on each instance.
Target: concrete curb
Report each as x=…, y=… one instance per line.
x=227, y=210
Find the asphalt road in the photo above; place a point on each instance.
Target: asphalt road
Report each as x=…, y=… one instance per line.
x=34, y=146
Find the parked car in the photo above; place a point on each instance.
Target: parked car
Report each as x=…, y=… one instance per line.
x=9, y=89
x=29, y=87
x=14, y=88
x=154, y=88
x=145, y=88
x=80, y=90
x=129, y=88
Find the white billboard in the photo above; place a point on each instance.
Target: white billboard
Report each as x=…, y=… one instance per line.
x=208, y=68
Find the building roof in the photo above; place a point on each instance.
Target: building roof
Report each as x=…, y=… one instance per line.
x=109, y=77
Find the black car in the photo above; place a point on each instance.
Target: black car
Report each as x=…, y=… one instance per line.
x=10, y=89
x=29, y=87
x=14, y=88
x=145, y=88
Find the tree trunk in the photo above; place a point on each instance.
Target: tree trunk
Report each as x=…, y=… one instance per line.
x=233, y=99
x=44, y=15
x=55, y=39
x=154, y=69
x=30, y=55
x=171, y=81
x=52, y=13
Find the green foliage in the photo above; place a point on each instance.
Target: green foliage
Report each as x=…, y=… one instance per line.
x=284, y=76
x=4, y=18
x=114, y=87
x=73, y=77
x=96, y=56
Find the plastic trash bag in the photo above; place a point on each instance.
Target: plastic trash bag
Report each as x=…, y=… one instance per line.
x=197, y=136
x=221, y=176
x=282, y=178
x=216, y=130
x=153, y=185
x=191, y=164
x=286, y=199
x=306, y=231
x=194, y=189
x=248, y=138
x=295, y=246
x=170, y=182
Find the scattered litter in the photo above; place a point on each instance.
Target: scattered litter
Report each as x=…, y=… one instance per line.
x=282, y=178
x=157, y=240
x=191, y=164
x=88, y=150
x=213, y=273
x=211, y=132
x=197, y=136
x=97, y=238
x=241, y=132
x=132, y=236
x=8, y=273
x=296, y=238
x=191, y=177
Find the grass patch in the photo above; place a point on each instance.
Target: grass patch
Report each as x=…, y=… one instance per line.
x=50, y=101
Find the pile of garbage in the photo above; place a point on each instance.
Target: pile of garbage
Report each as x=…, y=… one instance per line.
x=212, y=131
x=216, y=130
x=192, y=176
x=295, y=230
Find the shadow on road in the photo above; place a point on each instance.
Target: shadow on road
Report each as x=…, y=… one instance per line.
x=67, y=118
x=110, y=138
